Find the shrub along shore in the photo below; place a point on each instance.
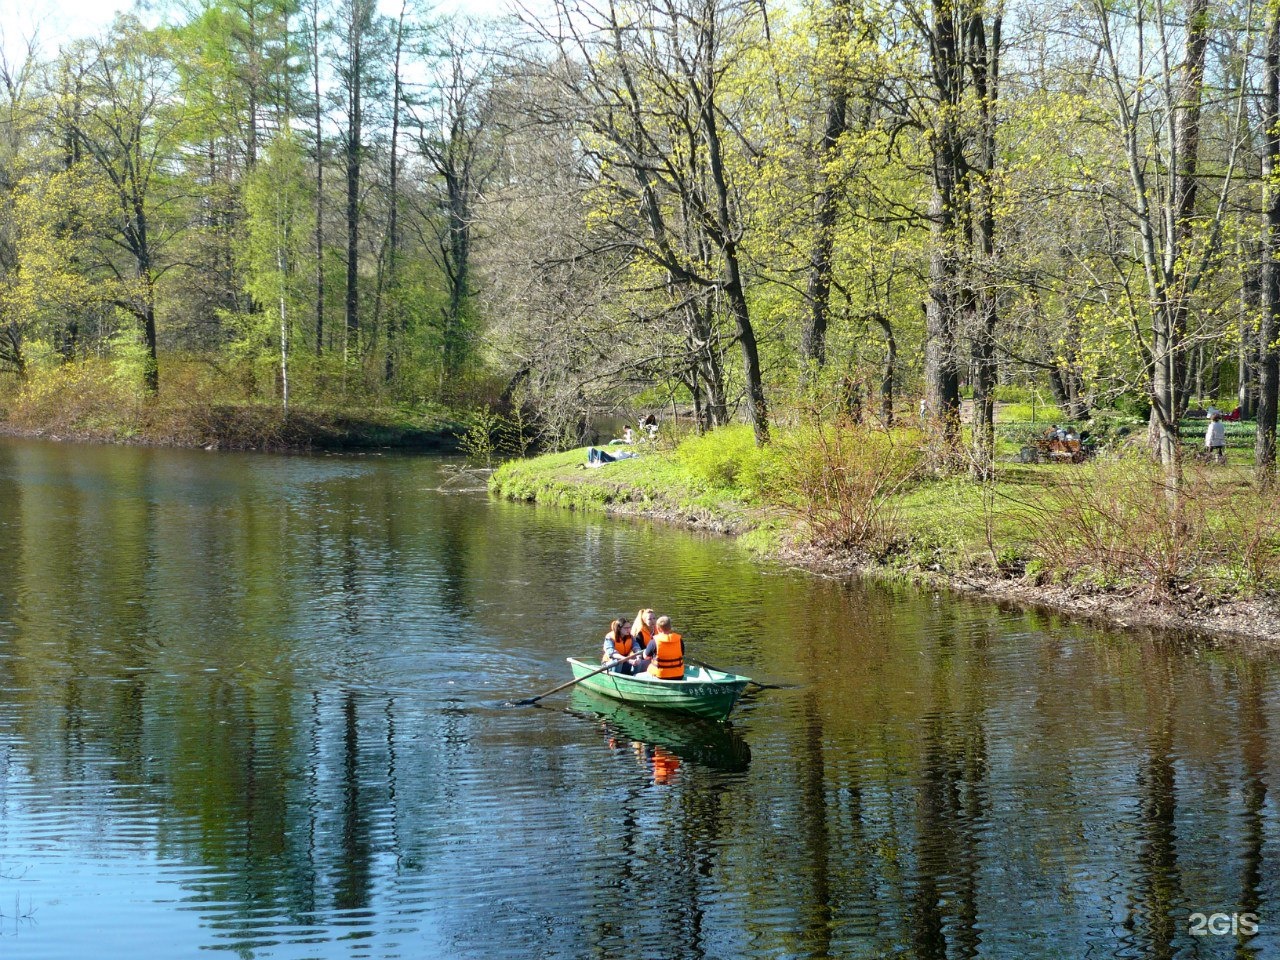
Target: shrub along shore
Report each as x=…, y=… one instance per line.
x=1105, y=540
x=89, y=402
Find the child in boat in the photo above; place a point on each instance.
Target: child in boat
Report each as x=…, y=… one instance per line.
x=667, y=651
x=618, y=645
x=642, y=628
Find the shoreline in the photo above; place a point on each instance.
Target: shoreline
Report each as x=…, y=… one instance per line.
x=1246, y=624
x=1237, y=623
x=244, y=429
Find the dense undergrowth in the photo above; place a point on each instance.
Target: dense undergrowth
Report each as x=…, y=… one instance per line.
x=197, y=406
x=1111, y=524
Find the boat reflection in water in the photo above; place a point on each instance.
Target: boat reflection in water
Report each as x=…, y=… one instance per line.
x=667, y=739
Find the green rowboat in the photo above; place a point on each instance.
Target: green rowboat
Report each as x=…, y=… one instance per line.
x=702, y=692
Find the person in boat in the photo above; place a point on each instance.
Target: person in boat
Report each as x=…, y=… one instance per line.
x=667, y=651
x=619, y=644
x=643, y=628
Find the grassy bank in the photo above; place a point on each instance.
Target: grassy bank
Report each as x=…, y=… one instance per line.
x=1104, y=538
x=91, y=401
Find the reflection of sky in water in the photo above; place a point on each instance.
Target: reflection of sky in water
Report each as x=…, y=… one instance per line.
x=256, y=703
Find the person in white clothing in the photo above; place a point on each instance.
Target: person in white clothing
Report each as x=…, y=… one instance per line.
x=1215, y=439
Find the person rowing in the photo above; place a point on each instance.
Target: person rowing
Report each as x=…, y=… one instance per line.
x=619, y=648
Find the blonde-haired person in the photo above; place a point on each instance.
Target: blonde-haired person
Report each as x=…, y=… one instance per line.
x=642, y=628
x=668, y=652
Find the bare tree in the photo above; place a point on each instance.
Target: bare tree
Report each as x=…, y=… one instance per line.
x=130, y=128
x=646, y=82
x=453, y=121
x=1269, y=365
x=359, y=63
x=1155, y=106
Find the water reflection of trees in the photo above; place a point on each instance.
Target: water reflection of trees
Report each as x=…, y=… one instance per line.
x=941, y=781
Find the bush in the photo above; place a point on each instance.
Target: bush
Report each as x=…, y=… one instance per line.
x=490, y=436
x=87, y=397
x=842, y=482
x=726, y=459
x=1119, y=523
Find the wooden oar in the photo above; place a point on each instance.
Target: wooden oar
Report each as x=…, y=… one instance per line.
x=754, y=683
x=529, y=701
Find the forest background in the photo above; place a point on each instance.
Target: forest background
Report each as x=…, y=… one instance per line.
x=241, y=222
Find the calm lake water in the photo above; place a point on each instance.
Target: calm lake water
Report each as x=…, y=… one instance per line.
x=256, y=704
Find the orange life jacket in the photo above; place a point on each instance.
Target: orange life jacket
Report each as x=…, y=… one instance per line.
x=668, y=664
x=645, y=636
x=623, y=647
x=665, y=765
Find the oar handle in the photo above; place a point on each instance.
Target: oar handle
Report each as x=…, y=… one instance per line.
x=754, y=683
x=529, y=701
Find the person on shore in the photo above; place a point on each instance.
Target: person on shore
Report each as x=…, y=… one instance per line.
x=668, y=652
x=628, y=435
x=619, y=646
x=597, y=457
x=1215, y=439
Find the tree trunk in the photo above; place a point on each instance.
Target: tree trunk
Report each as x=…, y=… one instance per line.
x=151, y=376
x=985, y=66
x=1186, y=156
x=354, y=155
x=393, y=213
x=458, y=272
x=1264, y=450
x=813, y=340
x=1246, y=358
x=1213, y=375
x=700, y=339
x=942, y=378
x=319, y=117
x=1163, y=427
x=282, y=266
x=695, y=393
x=941, y=373
x=890, y=368
x=757, y=409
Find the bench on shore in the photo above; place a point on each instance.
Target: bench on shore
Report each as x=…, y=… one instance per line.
x=1053, y=450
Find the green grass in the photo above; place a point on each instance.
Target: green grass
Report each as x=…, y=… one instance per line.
x=946, y=524
x=657, y=480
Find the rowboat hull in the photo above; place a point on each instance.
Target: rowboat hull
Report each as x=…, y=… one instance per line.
x=702, y=693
